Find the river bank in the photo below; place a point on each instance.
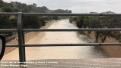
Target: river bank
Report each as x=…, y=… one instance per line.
x=112, y=51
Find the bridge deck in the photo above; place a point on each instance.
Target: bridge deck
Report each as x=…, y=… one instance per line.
x=67, y=63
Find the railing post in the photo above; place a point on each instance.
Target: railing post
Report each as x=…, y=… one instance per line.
x=21, y=42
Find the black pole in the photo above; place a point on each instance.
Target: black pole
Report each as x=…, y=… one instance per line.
x=21, y=42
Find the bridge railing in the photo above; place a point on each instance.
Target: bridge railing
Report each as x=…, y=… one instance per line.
x=20, y=30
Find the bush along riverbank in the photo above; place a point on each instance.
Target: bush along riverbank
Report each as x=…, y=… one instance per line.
x=101, y=36
x=10, y=21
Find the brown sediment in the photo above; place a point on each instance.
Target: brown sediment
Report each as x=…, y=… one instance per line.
x=54, y=52
x=113, y=51
x=28, y=36
x=110, y=51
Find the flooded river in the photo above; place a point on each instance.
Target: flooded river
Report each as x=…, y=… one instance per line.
x=58, y=38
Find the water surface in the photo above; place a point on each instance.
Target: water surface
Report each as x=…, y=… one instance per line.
x=57, y=38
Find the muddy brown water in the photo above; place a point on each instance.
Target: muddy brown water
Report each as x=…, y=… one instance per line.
x=36, y=53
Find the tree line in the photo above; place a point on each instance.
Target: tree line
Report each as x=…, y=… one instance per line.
x=99, y=22
x=10, y=21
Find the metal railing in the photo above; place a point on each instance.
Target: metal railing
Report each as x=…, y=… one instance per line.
x=20, y=31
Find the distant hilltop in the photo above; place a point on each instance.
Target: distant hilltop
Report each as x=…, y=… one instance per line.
x=107, y=12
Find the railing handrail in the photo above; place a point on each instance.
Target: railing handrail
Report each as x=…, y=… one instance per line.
x=59, y=14
x=69, y=30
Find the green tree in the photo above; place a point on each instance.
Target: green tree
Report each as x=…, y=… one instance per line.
x=99, y=22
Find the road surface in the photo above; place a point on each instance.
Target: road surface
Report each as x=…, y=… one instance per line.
x=37, y=53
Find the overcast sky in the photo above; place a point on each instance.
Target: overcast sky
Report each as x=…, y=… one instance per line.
x=78, y=6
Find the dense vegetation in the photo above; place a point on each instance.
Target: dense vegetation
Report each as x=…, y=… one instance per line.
x=28, y=21
x=99, y=22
